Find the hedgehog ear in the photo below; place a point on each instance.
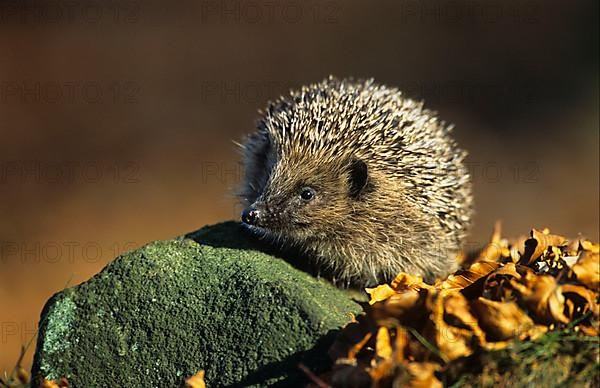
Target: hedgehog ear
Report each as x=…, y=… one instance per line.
x=359, y=176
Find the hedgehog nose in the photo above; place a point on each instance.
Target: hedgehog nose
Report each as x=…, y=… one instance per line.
x=250, y=216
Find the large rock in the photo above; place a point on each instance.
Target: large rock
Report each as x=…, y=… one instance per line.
x=211, y=301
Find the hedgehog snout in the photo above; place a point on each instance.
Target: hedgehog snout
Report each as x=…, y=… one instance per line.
x=262, y=216
x=251, y=215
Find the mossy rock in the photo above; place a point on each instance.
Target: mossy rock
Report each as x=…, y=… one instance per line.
x=212, y=300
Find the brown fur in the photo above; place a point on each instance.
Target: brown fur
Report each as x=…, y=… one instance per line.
x=412, y=212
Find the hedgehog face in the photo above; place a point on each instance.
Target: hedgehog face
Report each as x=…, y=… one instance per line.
x=302, y=200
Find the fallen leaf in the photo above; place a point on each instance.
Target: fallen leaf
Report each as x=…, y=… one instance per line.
x=402, y=305
x=589, y=246
x=497, y=284
x=587, y=269
x=543, y=297
x=538, y=243
x=517, y=248
x=381, y=370
x=513, y=291
x=62, y=383
x=453, y=325
x=590, y=330
x=400, y=344
x=502, y=321
x=196, y=381
x=380, y=293
x=406, y=281
x=383, y=346
x=464, y=278
x=423, y=376
x=48, y=384
x=580, y=299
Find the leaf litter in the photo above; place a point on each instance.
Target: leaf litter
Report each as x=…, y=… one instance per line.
x=412, y=333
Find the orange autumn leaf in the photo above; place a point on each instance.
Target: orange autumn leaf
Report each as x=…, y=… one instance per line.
x=589, y=246
x=587, y=269
x=457, y=309
x=384, y=367
x=407, y=281
x=400, y=344
x=517, y=248
x=399, y=305
x=62, y=383
x=48, y=384
x=579, y=300
x=464, y=278
x=502, y=321
x=494, y=283
x=515, y=291
x=423, y=375
x=383, y=346
x=453, y=338
x=453, y=342
x=381, y=370
x=543, y=297
x=402, y=282
x=196, y=381
x=589, y=330
x=380, y=293
x=538, y=243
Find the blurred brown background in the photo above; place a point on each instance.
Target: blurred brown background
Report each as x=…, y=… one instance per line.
x=116, y=119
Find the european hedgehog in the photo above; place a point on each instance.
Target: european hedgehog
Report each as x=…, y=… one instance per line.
x=361, y=179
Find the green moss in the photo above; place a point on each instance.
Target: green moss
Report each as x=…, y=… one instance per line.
x=56, y=343
x=159, y=314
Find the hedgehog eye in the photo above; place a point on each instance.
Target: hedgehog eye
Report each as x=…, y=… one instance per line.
x=307, y=194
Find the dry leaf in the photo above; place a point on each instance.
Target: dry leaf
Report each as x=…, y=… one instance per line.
x=196, y=381
x=48, y=384
x=497, y=284
x=580, y=299
x=400, y=344
x=538, y=243
x=401, y=305
x=454, y=325
x=380, y=293
x=543, y=297
x=589, y=330
x=502, y=321
x=464, y=278
x=589, y=246
x=587, y=269
x=422, y=374
x=517, y=248
x=383, y=346
x=512, y=292
x=406, y=281
x=62, y=383
x=381, y=370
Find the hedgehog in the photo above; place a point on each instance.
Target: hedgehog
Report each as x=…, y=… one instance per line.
x=365, y=182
